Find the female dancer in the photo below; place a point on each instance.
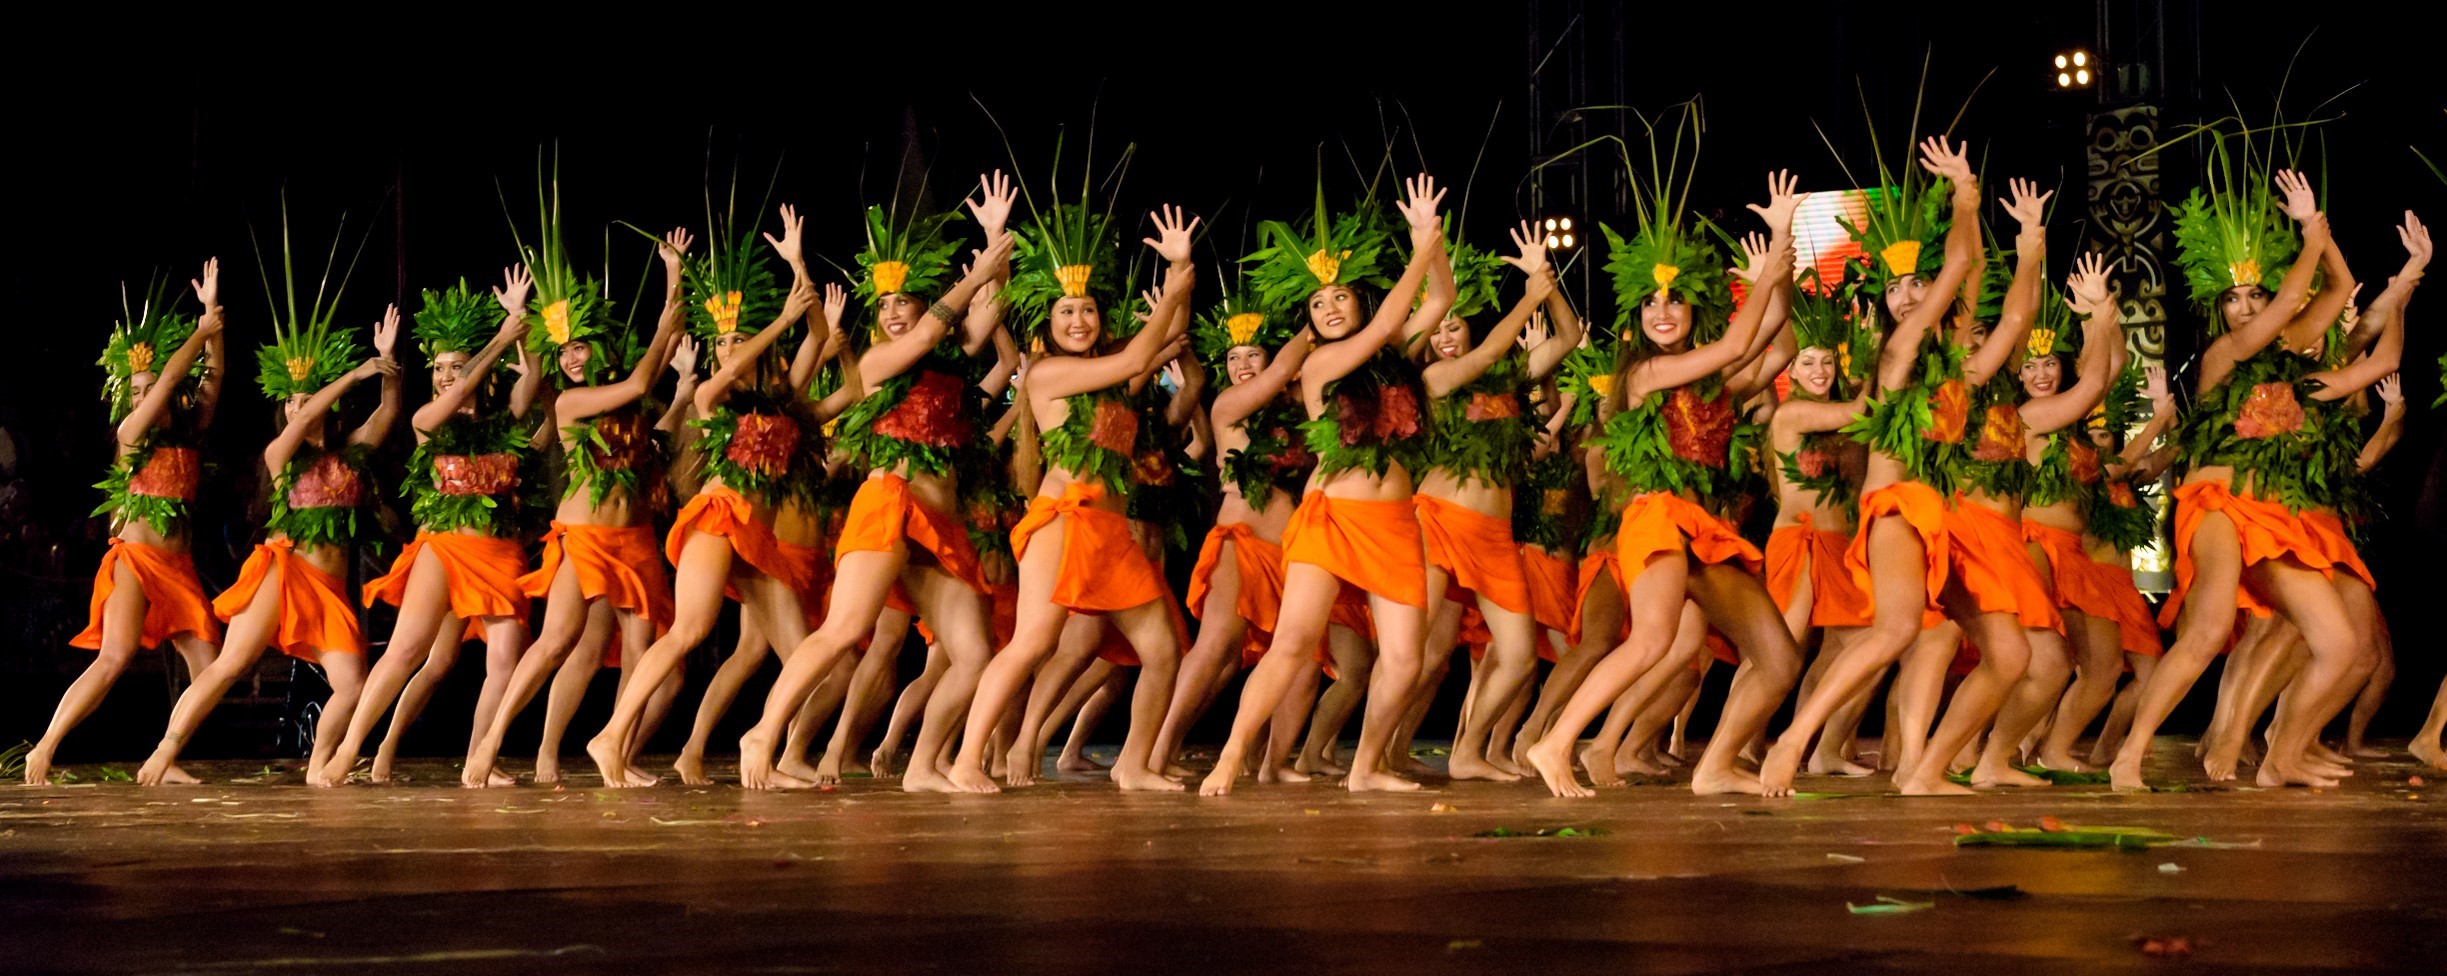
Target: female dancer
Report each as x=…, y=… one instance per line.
x=1671, y=549
x=2239, y=544
x=600, y=574
x=756, y=453
x=1478, y=446
x=292, y=592
x=463, y=565
x=1086, y=560
x=1904, y=550
x=902, y=535
x=146, y=592
x=1356, y=528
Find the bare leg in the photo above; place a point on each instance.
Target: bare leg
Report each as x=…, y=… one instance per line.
x=1283, y=730
x=704, y=569
x=2328, y=682
x=1900, y=591
x=439, y=659
x=2120, y=713
x=2100, y=666
x=906, y=711
x=746, y=657
x=1837, y=753
x=241, y=645
x=1639, y=751
x=1655, y=600
x=2268, y=657
x=1398, y=757
x=1308, y=597
x=576, y=673
x=870, y=693
x=1512, y=658
x=1221, y=632
x=1102, y=683
x=2208, y=616
x=122, y=626
x=2026, y=703
x=1073, y=651
x=958, y=616
x=1601, y=614
x=1657, y=696
x=2005, y=655
x=1501, y=735
x=1919, y=690
x=421, y=611
x=2374, y=694
x=2427, y=746
x=1738, y=605
x=1355, y=662
x=345, y=672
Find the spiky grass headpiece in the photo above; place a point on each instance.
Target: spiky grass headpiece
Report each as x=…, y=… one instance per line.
x=143, y=339
x=1827, y=316
x=456, y=320
x=908, y=258
x=306, y=353
x=1239, y=320
x=1663, y=255
x=731, y=288
x=1346, y=249
x=1068, y=248
x=2232, y=231
x=1903, y=231
x=565, y=308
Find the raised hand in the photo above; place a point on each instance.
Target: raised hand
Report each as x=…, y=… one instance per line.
x=1534, y=334
x=2392, y=390
x=993, y=204
x=1420, y=201
x=386, y=333
x=2088, y=285
x=516, y=283
x=997, y=252
x=674, y=250
x=2027, y=205
x=1172, y=240
x=1172, y=373
x=802, y=298
x=1783, y=197
x=2300, y=203
x=985, y=307
x=1532, y=246
x=2416, y=240
x=2154, y=386
x=1754, y=257
x=836, y=300
x=1540, y=286
x=208, y=287
x=1947, y=161
x=684, y=358
x=788, y=245
x=377, y=366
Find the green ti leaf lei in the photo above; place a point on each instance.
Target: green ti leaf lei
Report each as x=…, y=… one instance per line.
x=1495, y=450
x=1897, y=424
x=1830, y=484
x=1533, y=523
x=1368, y=449
x=582, y=467
x=1272, y=460
x=1069, y=446
x=2125, y=527
x=311, y=528
x=855, y=434
x=2007, y=478
x=797, y=479
x=436, y=512
x=2309, y=467
x=165, y=515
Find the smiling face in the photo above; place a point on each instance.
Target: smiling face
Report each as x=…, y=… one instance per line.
x=897, y=313
x=1814, y=371
x=2042, y=375
x=2241, y=302
x=1449, y=338
x=1076, y=324
x=1905, y=294
x=574, y=357
x=1243, y=363
x=448, y=368
x=727, y=346
x=1665, y=319
x=1334, y=311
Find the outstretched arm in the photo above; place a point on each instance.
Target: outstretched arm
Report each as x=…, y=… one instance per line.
x=2335, y=292
x=1445, y=376
x=1236, y=402
x=377, y=426
x=216, y=351
x=2391, y=425
x=1061, y=376
x=1545, y=357
x=283, y=447
x=1962, y=252
x=2029, y=208
x=894, y=356
x=2162, y=416
x=530, y=381
x=812, y=350
x=2254, y=334
x=513, y=298
x=684, y=394
x=1669, y=371
x=156, y=402
x=2389, y=307
x=1334, y=360
x=2100, y=332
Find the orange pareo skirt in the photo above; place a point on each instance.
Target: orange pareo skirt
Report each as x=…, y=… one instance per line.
x=1475, y=550
x=174, y=604
x=1116, y=650
x=481, y=572
x=2264, y=530
x=2096, y=589
x=614, y=563
x=884, y=516
x=1600, y=563
x=1994, y=565
x=1551, y=579
x=1372, y=547
x=1102, y=569
x=1836, y=599
x=315, y=615
x=1259, y=564
x=1925, y=511
x=718, y=510
x=1659, y=522
x=2329, y=531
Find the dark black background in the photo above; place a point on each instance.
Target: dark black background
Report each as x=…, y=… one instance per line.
x=151, y=142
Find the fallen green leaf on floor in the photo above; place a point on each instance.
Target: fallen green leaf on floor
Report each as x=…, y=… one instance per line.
x=2067, y=777
x=1847, y=859
x=114, y=774
x=12, y=760
x=1431, y=751
x=1889, y=905
x=2204, y=843
x=2120, y=838
x=1542, y=832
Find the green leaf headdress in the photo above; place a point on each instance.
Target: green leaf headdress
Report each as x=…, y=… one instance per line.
x=1587, y=376
x=141, y=341
x=731, y=288
x=1476, y=275
x=566, y=308
x=1239, y=320
x=1068, y=249
x=1827, y=316
x=306, y=353
x=1662, y=254
x=457, y=320
x=1346, y=249
x=2232, y=231
x=1903, y=230
x=904, y=258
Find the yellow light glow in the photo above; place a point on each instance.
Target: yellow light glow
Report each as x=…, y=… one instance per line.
x=1550, y=223
x=2082, y=77
x=2060, y=60
x=2080, y=59
x=1567, y=240
x=1552, y=240
x=2064, y=80
x=1567, y=223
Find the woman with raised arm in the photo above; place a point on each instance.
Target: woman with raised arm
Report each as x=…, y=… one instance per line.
x=1670, y=441
x=1085, y=559
x=2262, y=448
x=600, y=576
x=163, y=382
x=1478, y=446
x=458, y=580
x=1356, y=528
x=1903, y=551
x=755, y=451
x=292, y=592
x=903, y=540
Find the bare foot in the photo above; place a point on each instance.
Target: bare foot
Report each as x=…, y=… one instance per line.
x=881, y=763
x=2320, y=751
x=1283, y=774
x=852, y=767
x=827, y=772
x=1632, y=762
x=2124, y=776
x=1219, y=782
x=1319, y=766
x=1776, y=771
x=970, y=779
x=2003, y=774
x=1504, y=762
x=1554, y=765
x=1460, y=766
x=547, y=770
x=2429, y=751
x=1824, y=763
x=1175, y=770
x=1600, y=767
x=691, y=770
x=1143, y=780
x=320, y=776
x=2220, y=769
x=798, y=769
x=640, y=778
x=756, y=770
x=380, y=773
x=1409, y=765
x=1020, y=767
x=1077, y=763
x=608, y=762
x=2366, y=752
x=38, y=767
x=472, y=780
x=921, y=778
x=2320, y=767
x=2276, y=773
x=1932, y=783
x=1378, y=782
x=1707, y=782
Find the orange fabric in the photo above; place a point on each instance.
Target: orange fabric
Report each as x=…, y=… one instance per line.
x=615, y=563
x=1551, y=579
x=1116, y=649
x=315, y=617
x=174, y=604
x=2264, y=530
x=884, y=515
x=1371, y=546
x=1995, y=567
x=1719, y=649
x=2136, y=630
x=1600, y=563
x=1922, y=509
x=1259, y=564
x=1660, y=522
x=1475, y=550
x=1102, y=569
x=805, y=563
x=718, y=510
x=481, y=573
x=2093, y=588
x=1836, y=599
x=2329, y=531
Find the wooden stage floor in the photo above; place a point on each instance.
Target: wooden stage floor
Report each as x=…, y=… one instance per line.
x=239, y=876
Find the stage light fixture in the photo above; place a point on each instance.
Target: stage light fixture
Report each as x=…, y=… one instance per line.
x=2073, y=69
x=1558, y=233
